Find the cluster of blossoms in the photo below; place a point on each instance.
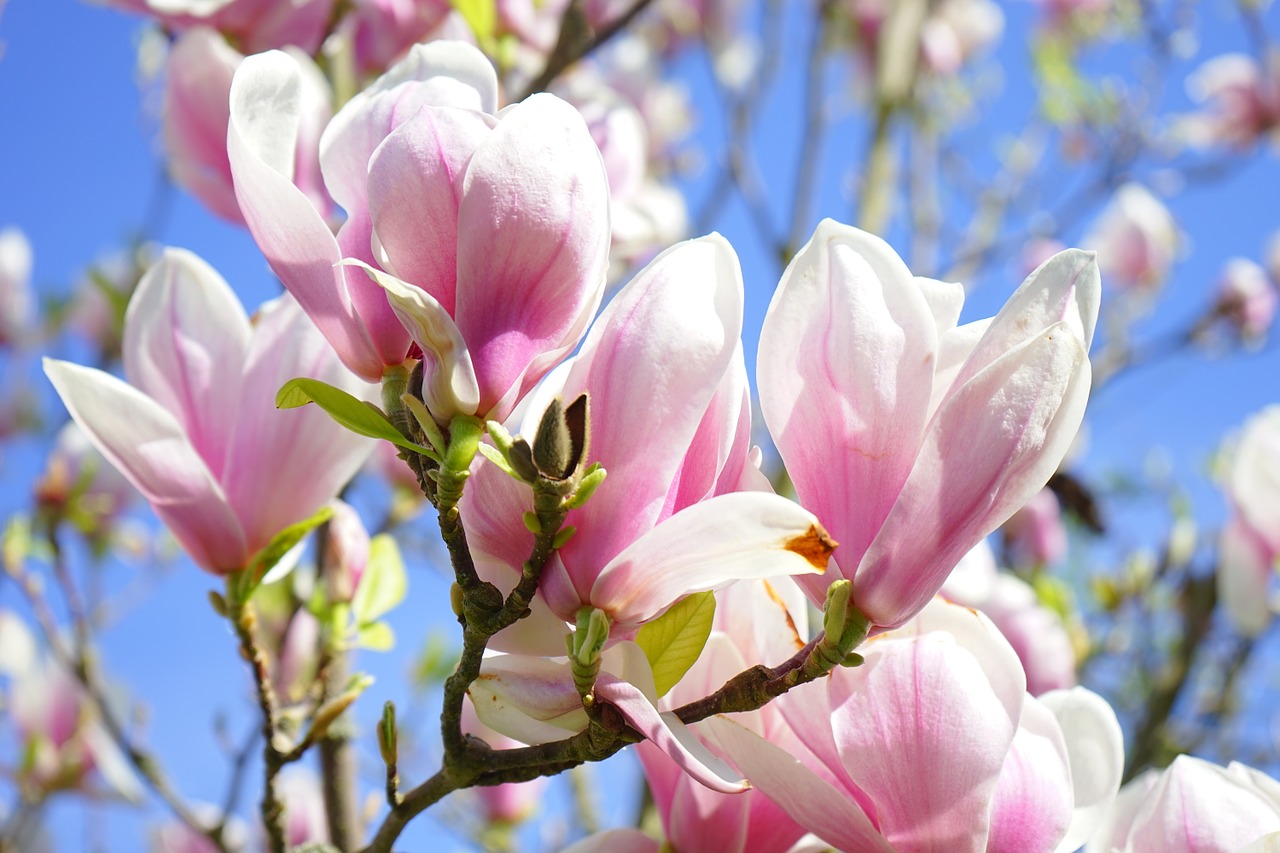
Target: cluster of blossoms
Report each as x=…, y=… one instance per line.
x=457, y=254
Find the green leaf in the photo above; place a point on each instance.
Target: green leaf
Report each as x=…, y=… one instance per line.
x=243, y=584
x=480, y=15
x=376, y=636
x=383, y=584
x=673, y=641
x=354, y=414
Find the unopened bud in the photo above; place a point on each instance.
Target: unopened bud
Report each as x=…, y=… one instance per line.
x=553, y=447
x=521, y=459
x=388, y=741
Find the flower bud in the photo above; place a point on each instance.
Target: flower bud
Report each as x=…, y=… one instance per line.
x=346, y=553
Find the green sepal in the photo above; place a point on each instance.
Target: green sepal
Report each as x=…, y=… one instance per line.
x=428, y=424
x=591, y=481
x=672, y=642
x=495, y=456
x=356, y=415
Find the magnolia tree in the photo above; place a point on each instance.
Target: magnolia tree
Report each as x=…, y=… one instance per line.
x=867, y=596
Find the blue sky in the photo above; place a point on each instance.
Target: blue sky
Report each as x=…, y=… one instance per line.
x=79, y=173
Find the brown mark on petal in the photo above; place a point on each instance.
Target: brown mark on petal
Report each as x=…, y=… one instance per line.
x=815, y=545
x=786, y=614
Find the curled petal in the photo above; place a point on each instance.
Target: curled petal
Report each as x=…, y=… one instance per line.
x=449, y=382
x=530, y=699
x=731, y=537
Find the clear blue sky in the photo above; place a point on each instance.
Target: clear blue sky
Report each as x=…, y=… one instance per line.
x=78, y=172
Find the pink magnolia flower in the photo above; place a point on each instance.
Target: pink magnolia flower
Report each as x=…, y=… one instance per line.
x=346, y=552
x=1247, y=299
x=256, y=25
x=909, y=437
x=487, y=238
x=383, y=30
x=933, y=743
x=1193, y=805
x=1240, y=101
x=197, y=431
x=1249, y=551
x=1136, y=239
x=304, y=818
x=666, y=522
x=201, y=66
x=1034, y=535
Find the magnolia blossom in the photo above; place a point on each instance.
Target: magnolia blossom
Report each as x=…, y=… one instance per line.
x=346, y=552
x=911, y=438
x=667, y=521
x=487, y=238
x=303, y=801
x=1247, y=299
x=1136, y=238
x=1036, y=633
x=1240, y=101
x=201, y=66
x=1193, y=805
x=933, y=743
x=381, y=31
x=1249, y=551
x=256, y=25
x=17, y=307
x=1034, y=535
x=197, y=431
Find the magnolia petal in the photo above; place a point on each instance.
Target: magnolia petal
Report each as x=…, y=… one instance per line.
x=921, y=733
x=439, y=73
x=1031, y=806
x=1095, y=747
x=148, y=445
x=300, y=453
x=1254, y=481
x=992, y=445
x=1197, y=805
x=415, y=185
x=530, y=699
x=669, y=734
x=615, y=841
x=710, y=544
x=449, y=380
x=266, y=98
x=533, y=242
x=197, y=81
x=714, y=461
x=808, y=799
x=1067, y=288
x=845, y=370
x=672, y=331
x=185, y=340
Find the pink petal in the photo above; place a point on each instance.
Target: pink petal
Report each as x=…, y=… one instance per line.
x=440, y=73
x=149, y=447
x=710, y=544
x=533, y=241
x=714, y=461
x=992, y=445
x=195, y=113
x=185, y=340
x=266, y=100
x=670, y=735
x=1197, y=806
x=809, y=800
x=449, y=379
x=920, y=733
x=845, y=371
x=1031, y=808
x=415, y=184
x=672, y=332
x=615, y=841
x=1095, y=748
x=530, y=699
x=283, y=465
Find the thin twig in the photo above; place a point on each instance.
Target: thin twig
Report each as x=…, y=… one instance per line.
x=569, y=49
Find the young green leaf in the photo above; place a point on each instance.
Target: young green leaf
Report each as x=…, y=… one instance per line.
x=354, y=414
x=376, y=637
x=673, y=641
